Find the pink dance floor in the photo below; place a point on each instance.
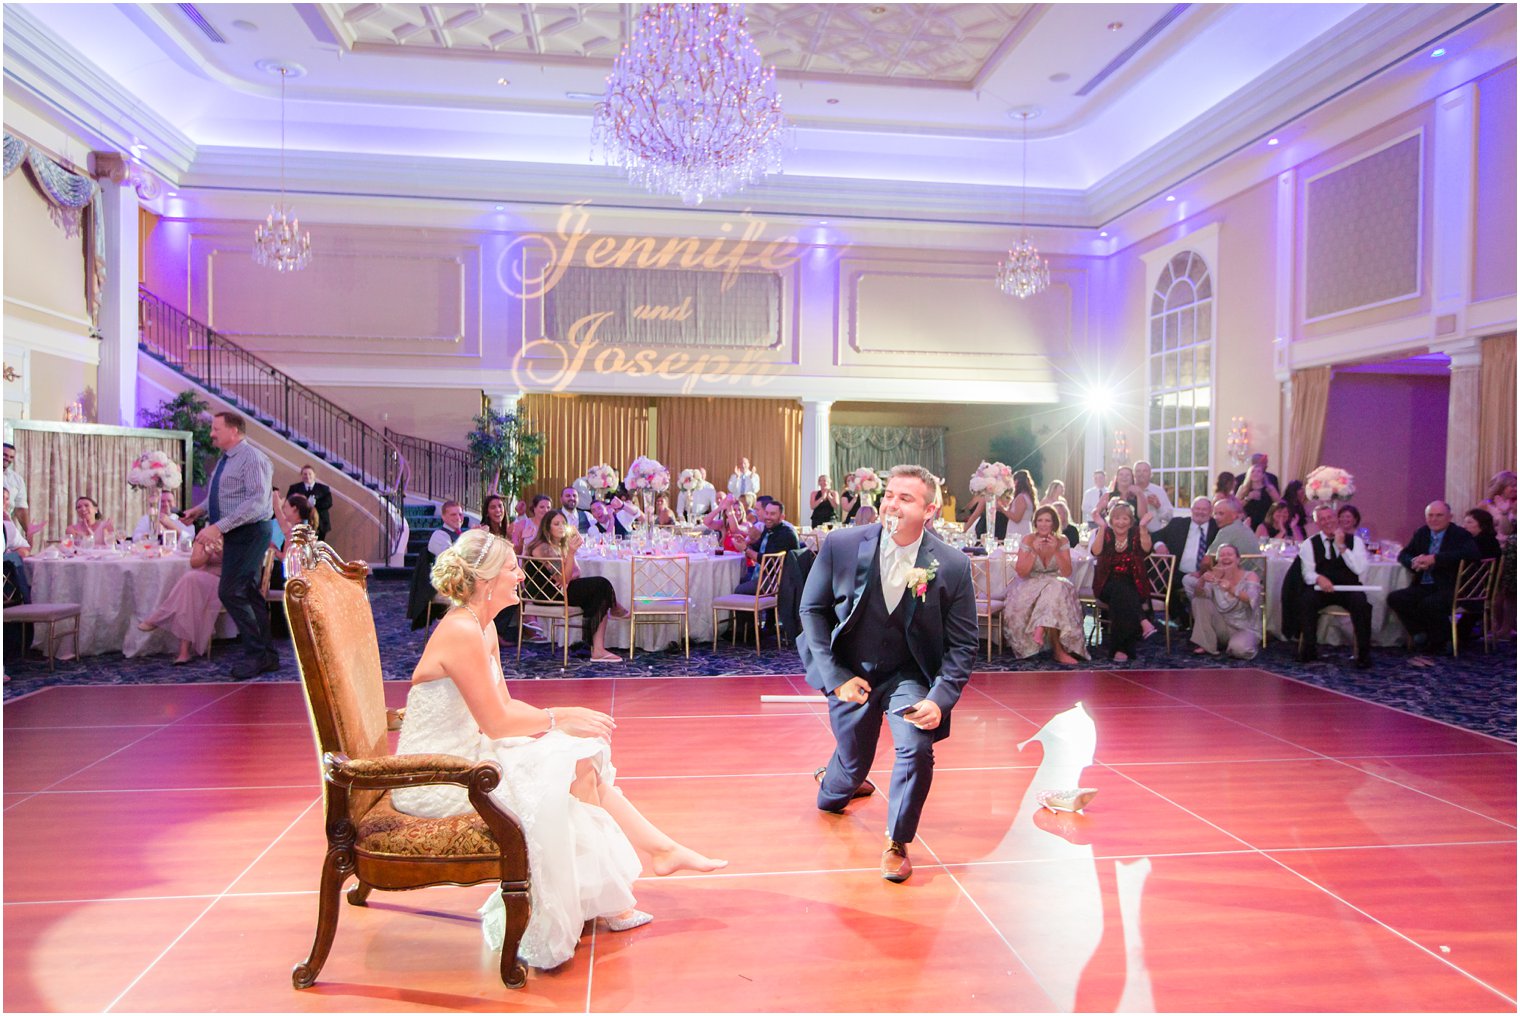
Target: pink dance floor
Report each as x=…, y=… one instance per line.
x=1256, y=844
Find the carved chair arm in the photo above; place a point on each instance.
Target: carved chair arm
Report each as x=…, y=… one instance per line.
x=391, y=772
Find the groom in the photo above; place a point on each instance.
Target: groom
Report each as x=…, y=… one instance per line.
x=889, y=620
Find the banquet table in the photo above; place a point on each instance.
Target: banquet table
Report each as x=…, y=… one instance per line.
x=710, y=576
x=114, y=593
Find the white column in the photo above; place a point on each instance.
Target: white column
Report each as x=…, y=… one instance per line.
x=1462, y=477
x=817, y=450
x=504, y=402
x=116, y=381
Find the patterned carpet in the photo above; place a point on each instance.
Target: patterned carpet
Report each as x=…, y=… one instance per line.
x=1476, y=691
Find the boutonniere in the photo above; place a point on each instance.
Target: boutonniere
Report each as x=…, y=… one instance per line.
x=918, y=579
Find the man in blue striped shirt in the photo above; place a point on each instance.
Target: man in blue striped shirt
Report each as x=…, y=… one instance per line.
x=238, y=506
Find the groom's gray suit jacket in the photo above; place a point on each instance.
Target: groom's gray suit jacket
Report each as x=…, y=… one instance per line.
x=941, y=629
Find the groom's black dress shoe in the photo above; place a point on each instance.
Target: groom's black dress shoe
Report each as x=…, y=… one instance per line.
x=895, y=866
x=866, y=788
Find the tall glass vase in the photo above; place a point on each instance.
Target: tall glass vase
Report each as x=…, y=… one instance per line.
x=647, y=520
x=990, y=507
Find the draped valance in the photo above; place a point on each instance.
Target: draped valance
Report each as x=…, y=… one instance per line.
x=74, y=202
x=881, y=448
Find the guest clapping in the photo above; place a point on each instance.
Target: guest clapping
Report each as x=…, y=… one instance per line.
x=824, y=503
x=594, y=595
x=1152, y=497
x=1043, y=608
x=1123, y=489
x=744, y=480
x=1333, y=558
x=1280, y=525
x=1500, y=503
x=89, y=526
x=1119, y=551
x=1227, y=608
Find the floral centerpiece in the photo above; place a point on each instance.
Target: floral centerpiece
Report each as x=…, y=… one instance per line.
x=865, y=483
x=993, y=481
x=1329, y=483
x=688, y=480
x=601, y=478
x=152, y=472
x=645, y=478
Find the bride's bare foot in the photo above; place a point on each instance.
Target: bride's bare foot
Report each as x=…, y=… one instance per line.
x=145, y=626
x=1064, y=658
x=679, y=858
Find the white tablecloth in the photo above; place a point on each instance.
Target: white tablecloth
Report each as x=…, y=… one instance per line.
x=710, y=576
x=114, y=594
x=1385, y=573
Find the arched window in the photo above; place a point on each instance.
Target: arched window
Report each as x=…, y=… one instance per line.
x=1181, y=377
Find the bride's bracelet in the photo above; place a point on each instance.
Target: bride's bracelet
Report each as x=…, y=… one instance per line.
x=552, y=721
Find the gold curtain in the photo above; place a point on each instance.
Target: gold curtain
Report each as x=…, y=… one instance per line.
x=1311, y=401
x=60, y=465
x=714, y=432
x=581, y=431
x=1496, y=407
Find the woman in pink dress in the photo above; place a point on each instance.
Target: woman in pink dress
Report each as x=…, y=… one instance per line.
x=190, y=609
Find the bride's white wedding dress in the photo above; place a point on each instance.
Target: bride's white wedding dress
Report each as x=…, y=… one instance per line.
x=580, y=862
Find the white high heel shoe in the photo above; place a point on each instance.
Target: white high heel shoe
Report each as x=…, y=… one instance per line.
x=1065, y=800
x=634, y=919
x=1069, y=740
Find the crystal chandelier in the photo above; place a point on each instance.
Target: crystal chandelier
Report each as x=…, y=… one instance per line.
x=278, y=242
x=1023, y=272
x=689, y=109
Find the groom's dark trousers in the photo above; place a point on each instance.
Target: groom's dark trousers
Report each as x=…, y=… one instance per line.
x=922, y=649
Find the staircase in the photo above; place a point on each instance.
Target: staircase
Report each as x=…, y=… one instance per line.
x=382, y=462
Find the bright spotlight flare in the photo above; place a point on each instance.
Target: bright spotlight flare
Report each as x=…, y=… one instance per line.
x=1097, y=397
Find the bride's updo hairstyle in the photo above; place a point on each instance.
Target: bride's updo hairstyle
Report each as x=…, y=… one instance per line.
x=476, y=557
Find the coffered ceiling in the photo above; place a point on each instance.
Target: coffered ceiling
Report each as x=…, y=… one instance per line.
x=899, y=110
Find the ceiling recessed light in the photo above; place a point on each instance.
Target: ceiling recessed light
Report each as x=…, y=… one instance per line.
x=878, y=10
x=500, y=208
x=832, y=102
x=1060, y=76
x=823, y=222
x=171, y=194
x=502, y=81
x=1114, y=26
x=245, y=26
x=1271, y=141
x=1103, y=233
x=1437, y=53
x=1171, y=197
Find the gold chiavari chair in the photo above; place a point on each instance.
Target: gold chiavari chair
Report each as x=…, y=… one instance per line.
x=544, y=596
x=988, y=607
x=660, y=587
x=765, y=597
x=1475, y=589
x=1160, y=571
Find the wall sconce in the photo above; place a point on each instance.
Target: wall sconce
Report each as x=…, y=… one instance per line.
x=74, y=413
x=1239, y=443
x=1121, y=448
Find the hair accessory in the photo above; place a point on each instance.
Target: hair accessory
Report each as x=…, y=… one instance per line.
x=485, y=549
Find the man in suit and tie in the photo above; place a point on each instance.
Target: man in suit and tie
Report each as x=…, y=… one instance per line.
x=320, y=497
x=1433, y=554
x=889, y=631
x=569, y=506
x=1189, y=538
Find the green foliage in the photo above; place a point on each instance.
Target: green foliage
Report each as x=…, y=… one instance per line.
x=186, y=412
x=1021, y=450
x=506, y=449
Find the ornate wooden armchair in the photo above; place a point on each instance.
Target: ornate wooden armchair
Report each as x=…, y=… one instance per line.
x=339, y=657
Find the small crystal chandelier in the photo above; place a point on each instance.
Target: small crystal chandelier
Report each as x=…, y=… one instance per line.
x=279, y=243
x=1023, y=273
x=689, y=109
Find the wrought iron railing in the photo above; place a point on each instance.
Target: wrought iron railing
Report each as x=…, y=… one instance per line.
x=437, y=471
x=278, y=401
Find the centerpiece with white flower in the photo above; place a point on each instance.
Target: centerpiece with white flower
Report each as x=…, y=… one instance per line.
x=993, y=481
x=1329, y=483
x=864, y=483
x=645, y=478
x=688, y=482
x=601, y=478
x=154, y=472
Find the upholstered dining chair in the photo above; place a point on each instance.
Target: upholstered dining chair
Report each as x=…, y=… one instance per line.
x=367, y=838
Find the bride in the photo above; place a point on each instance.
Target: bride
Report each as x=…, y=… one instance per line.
x=557, y=773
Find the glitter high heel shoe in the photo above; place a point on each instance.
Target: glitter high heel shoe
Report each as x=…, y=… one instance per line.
x=633, y=919
x=1066, y=800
